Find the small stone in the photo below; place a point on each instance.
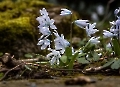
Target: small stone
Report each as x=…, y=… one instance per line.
x=80, y=80
x=33, y=85
x=4, y=82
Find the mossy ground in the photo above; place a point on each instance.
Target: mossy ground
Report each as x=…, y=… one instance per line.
x=18, y=22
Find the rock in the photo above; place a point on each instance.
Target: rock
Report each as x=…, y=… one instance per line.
x=80, y=80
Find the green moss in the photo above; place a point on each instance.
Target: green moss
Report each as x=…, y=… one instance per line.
x=14, y=30
x=36, y=3
x=6, y=5
x=16, y=27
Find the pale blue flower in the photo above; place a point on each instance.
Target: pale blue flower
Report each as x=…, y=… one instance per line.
x=60, y=43
x=118, y=22
x=115, y=27
x=50, y=23
x=65, y=12
x=81, y=23
x=116, y=12
x=44, y=43
x=94, y=40
x=114, y=31
x=108, y=34
x=108, y=45
x=90, y=29
x=112, y=23
x=41, y=21
x=44, y=12
x=46, y=22
x=54, y=56
x=44, y=30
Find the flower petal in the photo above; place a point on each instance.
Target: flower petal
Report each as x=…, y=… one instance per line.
x=81, y=23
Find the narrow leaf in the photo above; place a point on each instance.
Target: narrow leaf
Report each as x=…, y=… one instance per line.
x=116, y=46
x=72, y=60
x=68, y=52
x=95, y=56
x=63, y=59
x=83, y=60
x=81, y=55
x=116, y=64
x=108, y=63
x=88, y=47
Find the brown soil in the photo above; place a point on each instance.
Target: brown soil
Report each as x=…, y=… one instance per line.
x=101, y=81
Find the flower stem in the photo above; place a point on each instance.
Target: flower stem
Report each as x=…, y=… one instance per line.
x=52, y=39
x=71, y=31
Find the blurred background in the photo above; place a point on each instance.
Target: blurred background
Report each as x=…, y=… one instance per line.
x=95, y=10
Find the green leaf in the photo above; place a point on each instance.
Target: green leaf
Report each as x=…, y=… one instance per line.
x=81, y=55
x=88, y=47
x=116, y=64
x=28, y=55
x=108, y=63
x=83, y=60
x=68, y=52
x=72, y=60
x=63, y=59
x=116, y=46
x=95, y=56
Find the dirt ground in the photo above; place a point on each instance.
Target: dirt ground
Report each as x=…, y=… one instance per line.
x=101, y=81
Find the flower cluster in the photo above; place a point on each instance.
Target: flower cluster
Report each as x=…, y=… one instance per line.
x=115, y=28
x=45, y=23
x=48, y=29
x=90, y=29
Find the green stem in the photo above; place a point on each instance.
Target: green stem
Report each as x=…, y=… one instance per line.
x=71, y=31
x=116, y=46
x=70, y=65
x=52, y=38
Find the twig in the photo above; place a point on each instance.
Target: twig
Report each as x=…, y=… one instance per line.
x=77, y=70
x=5, y=75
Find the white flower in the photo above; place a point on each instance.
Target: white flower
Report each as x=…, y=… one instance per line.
x=60, y=43
x=107, y=34
x=117, y=11
x=46, y=22
x=118, y=22
x=94, y=40
x=50, y=23
x=54, y=56
x=44, y=30
x=114, y=31
x=108, y=45
x=41, y=21
x=81, y=23
x=44, y=43
x=112, y=23
x=43, y=12
x=65, y=12
x=90, y=29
